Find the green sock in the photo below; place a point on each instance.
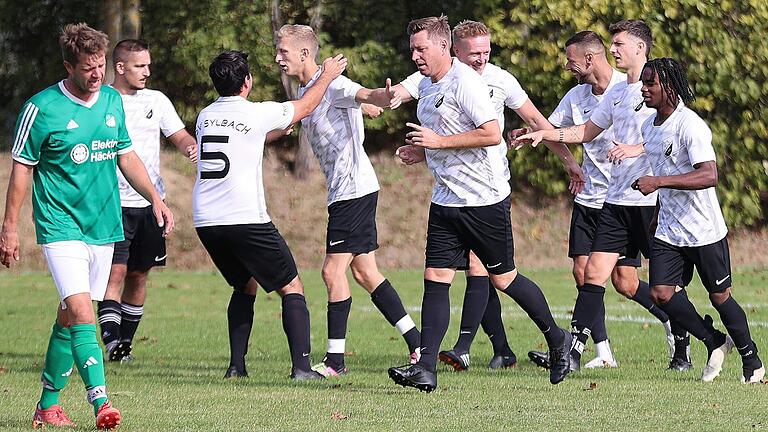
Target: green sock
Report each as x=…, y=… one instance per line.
x=90, y=362
x=58, y=366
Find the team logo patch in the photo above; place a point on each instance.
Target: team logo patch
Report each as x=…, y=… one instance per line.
x=149, y=114
x=72, y=125
x=491, y=94
x=79, y=153
x=439, y=101
x=669, y=149
x=110, y=121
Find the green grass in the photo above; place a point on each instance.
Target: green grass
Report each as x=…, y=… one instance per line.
x=181, y=354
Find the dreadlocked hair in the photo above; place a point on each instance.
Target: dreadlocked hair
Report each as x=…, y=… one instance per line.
x=672, y=79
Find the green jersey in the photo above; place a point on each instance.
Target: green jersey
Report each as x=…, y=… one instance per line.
x=73, y=146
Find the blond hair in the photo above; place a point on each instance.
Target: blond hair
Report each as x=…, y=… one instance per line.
x=436, y=27
x=79, y=39
x=303, y=34
x=469, y=29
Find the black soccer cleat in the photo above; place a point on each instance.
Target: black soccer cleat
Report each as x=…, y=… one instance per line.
x=459, y=362
x=679, y=364
x=541, y=359
x=234, y=372
x=415, y=376
x=503, y=362
x=302, y=375
x=560, y=359
x=121, y=351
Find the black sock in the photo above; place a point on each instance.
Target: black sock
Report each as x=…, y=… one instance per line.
x=130, y=322
x=589, y=302
x=109, y=320
x=435, y=316
x=338, y=315
x=682, y=338
x=389, y=304
x=529, y=296
x=684, y=312
x=599, y=331
x=240, y=321
x=735, y=321
x=643, y=297
x=296, y=327
x=493, y=326
x=472, y=311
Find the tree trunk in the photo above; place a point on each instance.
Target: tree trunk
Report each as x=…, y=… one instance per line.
x=111, y=24
x=131, y=20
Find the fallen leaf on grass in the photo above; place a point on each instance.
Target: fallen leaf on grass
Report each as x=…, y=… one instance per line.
x=592, y=386
x=646, y=326
x=337, y=415
x=4, y=370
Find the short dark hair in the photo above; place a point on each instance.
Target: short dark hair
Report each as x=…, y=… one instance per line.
x=436, y=28
x=128, y=45
x=586, y=38
x=672, y=79
x=228, y=72
x=636, y=28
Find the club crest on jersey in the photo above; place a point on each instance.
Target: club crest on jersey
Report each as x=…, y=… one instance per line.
x=439, y=101
x=669, y=149
x=149, y=114
x=491, y=94
x=110, y=121
x=79, y=153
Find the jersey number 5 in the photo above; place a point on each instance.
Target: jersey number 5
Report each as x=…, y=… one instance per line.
x=216, y=155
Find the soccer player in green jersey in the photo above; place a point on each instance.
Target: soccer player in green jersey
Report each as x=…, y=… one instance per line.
x=69, y=140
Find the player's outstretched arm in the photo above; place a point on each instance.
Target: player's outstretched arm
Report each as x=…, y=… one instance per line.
x=703, y=176
x=385, y=97
x=370, y=110
x=621, y=151
x=136, y=174
x=278, y=133
x=332, y=68
x=18, y=184
x=185, y=143
x=571, y=135
x=487, y=134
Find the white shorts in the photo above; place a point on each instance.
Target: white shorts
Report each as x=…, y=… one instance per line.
x=77, y=267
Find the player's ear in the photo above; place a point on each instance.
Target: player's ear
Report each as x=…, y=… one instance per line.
x=69, y=67
x=120, y=68
x=304, y=53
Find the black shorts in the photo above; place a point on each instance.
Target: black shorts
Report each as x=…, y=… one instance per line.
x=672, y=265
x=144, y=244
x=242, y=252
x=584, y=222
x=486, y=230
x=624, y=230
x=352, y=225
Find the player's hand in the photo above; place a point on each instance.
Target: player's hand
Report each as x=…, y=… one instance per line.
x=333, y=67
x=192, y=153
x=646, y=185
x=423, y=137
x=515, y=134
x=578, y=180
x=394, y=99
x=9, y=247
x=532, y=138
x=410, y=154
x=163, y=216
x=371, y=111
x=621, y=151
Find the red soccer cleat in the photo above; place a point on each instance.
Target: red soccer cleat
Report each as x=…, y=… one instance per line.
x=53, y=416
x=108, y=417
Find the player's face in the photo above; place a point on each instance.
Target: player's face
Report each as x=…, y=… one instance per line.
x=577, y=62
x=88, y=73
x=654, y=95
x=288, y=57
x=474, y=51
x=136, y=69
x=426, y=53
x=628, y=50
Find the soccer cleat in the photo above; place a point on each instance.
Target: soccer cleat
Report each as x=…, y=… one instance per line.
x=329, y=371
x=107, y=417
x=302, y=375
x=715, y=360
x=503, y=362
x=679, y=364
x=120, y=351
x=755, y=375
x=416, y=356
x=598, y=362
x=561, y=363
x=235, y=372
x=459, y=362
x=414, y=376
x=670, y=338
x=541, y=359
x=53, y=416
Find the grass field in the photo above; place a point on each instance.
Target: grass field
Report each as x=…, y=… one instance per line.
x=181, y=353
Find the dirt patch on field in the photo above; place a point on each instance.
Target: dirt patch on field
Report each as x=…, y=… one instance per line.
x=298, y=209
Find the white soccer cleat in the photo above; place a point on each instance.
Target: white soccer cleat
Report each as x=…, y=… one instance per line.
x=716, y=359
x=757, y=376
x=598, y=363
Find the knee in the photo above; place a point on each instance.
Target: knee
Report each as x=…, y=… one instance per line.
x=330, y=274
x=294, y=287
x=661, y=295
x=718, y=298
x=578, y=275
x=366, y=277
x=625, y=287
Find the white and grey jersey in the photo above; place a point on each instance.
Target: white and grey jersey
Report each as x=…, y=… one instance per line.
x=623, y=108
x=147, y=113
x=686, y=217
x=504, y=91
x=335, y=131
x=574, y=109
x=459, y=103
x=230, y=136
